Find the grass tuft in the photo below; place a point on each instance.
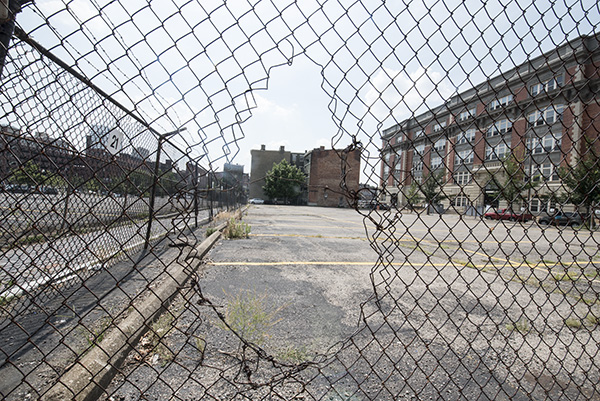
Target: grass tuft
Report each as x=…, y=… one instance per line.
x=249, y=315
x=236, y=229
x=573, y=323
x=521, y=325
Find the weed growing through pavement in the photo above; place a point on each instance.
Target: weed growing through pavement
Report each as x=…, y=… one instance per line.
x=293, y=354
x=155, y=340
x=521, y=325
x=573, y=323
x=94, y=334
x=210, y=231
x=236, y=229
x=568, y=276
x=250, y=316
x=592, y=319
x=5, y=300
x=160, y=328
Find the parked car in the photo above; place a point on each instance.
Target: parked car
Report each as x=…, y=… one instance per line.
x=256, y=201
x=506, y=214
x=562, y=219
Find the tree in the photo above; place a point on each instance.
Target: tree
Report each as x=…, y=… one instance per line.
x=583, y=183
x=412, y=195
x=28, y=174
x=432, y=188
x=283, y=181
x=515, y=182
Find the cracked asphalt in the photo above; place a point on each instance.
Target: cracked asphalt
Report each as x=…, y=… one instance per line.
x=425, y=307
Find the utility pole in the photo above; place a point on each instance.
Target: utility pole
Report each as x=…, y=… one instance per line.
x=8, y=16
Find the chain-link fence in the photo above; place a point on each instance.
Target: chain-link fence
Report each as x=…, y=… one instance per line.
x=477, y=127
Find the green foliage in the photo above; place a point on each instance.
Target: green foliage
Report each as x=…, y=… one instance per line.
x=412, y=196
x=169, y=183
x=248, y=314
x=521, y=325
x=28, y=174
x=236, y=229
x=514, y=184
x=431, y=188
x=583, y=182
x=284, y=181
x=95, y=334
x=592, y=319
x=568, y=276
x=573, y=323
x=210, y=231
x=293, y=354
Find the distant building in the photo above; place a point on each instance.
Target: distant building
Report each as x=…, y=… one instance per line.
x=262, y=163
x=53, y=155
x=544, y=111
x=325, y=175
x=233, y=175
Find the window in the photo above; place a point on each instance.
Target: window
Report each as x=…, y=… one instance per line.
x=499, y=127
x=440, y=145
x=544, y=172
x=465, y=115
x=464, y=157
x=419, y=149
x=496, y=152
x=498, y=103
x=417, y=165
x=418, y=133
x=549, y=115
x=460, y=201
x=547, y=144
x=436, y=162
x=439, y=127
x=534, y=205
x=546, y=86
x=466, y=137
x=462, y=178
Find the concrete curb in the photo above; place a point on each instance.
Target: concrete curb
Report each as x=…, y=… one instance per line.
x=88, y=377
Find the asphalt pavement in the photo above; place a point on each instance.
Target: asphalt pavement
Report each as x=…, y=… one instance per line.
x=379, y=306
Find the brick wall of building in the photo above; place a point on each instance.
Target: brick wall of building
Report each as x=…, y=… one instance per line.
x=325, y=175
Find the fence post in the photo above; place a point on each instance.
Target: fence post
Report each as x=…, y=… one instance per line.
x=211, y=194
x=195, y=182
x=69, y=190
x=161, y=139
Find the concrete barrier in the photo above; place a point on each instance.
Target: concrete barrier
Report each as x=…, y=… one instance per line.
x=90, y=375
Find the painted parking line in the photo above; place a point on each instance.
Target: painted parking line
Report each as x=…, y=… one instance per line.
x=307, y=236
x=545, y=268
x=290, y=263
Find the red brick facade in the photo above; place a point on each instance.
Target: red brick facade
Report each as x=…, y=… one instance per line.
x=326, y=177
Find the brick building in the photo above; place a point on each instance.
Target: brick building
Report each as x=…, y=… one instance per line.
x=262, y=162
x=323, y=169
x=545, y=111
x=324, y=176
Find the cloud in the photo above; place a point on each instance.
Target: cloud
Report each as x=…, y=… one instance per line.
x=403, y=94
x=266, y=106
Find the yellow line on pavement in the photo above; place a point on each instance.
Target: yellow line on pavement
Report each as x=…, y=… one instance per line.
x=306, y=236
x=291, y=263
x=373, y=264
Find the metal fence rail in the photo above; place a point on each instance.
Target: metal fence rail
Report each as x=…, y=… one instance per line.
x=114, y=114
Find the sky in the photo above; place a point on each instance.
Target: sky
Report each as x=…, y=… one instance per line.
x=299, y=74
